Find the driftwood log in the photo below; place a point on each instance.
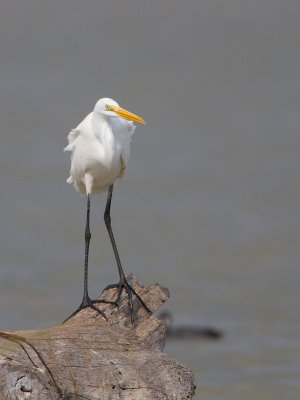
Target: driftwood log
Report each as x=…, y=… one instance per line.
x=90, y=358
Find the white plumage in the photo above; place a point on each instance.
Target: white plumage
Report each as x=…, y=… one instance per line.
x=100, y=147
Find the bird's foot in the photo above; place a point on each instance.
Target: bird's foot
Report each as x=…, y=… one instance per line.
x=123, y=284
x=87, y=302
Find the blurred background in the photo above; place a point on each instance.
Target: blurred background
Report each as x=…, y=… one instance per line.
x=210, y=204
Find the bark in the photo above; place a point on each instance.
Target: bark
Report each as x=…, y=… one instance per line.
x=90, y=358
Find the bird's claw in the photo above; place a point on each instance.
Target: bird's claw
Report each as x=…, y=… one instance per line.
x=87, y=302
x=123, y=284
x=105, y=301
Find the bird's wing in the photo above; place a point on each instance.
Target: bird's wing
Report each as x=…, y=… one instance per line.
x=72, y=136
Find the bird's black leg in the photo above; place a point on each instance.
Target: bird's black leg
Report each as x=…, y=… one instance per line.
x=123, y=281
x=86, y=301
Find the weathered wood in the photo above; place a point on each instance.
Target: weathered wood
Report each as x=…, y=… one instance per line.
x=90, y=358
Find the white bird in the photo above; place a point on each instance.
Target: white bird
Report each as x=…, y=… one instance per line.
x=100, y=147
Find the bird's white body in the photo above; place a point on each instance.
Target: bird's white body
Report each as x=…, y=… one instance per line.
x=100, y=147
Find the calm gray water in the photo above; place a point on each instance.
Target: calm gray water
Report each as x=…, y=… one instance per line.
x=210, y=205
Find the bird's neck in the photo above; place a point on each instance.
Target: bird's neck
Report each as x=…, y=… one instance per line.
x=104, y=134
x=102, y=129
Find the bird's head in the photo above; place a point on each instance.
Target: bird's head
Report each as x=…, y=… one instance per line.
x=111, y=108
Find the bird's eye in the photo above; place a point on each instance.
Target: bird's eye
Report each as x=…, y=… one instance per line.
x=109, y=107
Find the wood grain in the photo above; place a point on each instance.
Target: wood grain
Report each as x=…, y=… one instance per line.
x=90, y=358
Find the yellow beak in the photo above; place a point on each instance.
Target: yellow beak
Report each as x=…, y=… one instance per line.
x=127, y=115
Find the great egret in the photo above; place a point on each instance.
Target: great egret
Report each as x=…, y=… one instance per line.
x=100, y=147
